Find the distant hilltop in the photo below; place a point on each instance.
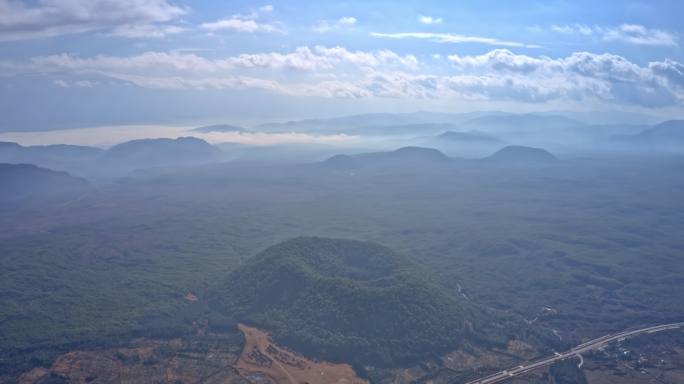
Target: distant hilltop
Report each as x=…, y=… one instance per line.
x=404, y=156
x=518, y=154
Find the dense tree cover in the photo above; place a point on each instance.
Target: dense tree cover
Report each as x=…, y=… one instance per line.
x=346, y=300
x=567, y=372
x=597, y=240
x=87, y=288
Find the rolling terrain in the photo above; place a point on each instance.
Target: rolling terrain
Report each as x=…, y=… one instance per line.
x=511, y=260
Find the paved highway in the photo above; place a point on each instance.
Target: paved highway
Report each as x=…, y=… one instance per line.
x=602, y=341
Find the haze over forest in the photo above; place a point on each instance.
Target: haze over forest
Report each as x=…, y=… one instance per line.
x=341, y=192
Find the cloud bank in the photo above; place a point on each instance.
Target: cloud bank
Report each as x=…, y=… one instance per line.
x=336, y=72
x=45, y=18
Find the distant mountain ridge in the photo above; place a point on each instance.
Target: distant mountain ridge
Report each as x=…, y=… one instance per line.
x=405, y=156
x=356, y=123
x=57, y=156
x=163, y=149
x=19, y=181
x=115, y=161
x=668, y=130
x=468, y=137
x=666, y=136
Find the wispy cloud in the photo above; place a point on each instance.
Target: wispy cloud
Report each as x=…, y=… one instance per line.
x=573, y=29
x=20, y=20
x=452, y=38
x=626, y=33
x=327, y=26
x=239, y=25
x=640, y=35
x=78, y=83
x=429, y=19
x=302, y=58
x=148, y=31
x=249, y=23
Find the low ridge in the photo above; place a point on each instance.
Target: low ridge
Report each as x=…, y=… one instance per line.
x=518, y=154
x=404, y=156
x=26, y=180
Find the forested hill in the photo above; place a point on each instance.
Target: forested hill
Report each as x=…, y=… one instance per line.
x=345, y=300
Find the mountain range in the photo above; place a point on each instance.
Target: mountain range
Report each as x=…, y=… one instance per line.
x=667, y=136
x=115, y=161
x=430, y=158
x=473, y=135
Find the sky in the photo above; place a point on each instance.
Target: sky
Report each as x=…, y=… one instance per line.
x=94, y=63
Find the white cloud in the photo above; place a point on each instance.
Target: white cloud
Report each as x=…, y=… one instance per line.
x=327, y=26
x=368, y=58
x=500, y=59
x=451, y=38
x=347, y=20
x=239, y=25
x=573, y=29
x=303, y=58
x=147, y=31
x=249, y=23
x=336, y=72
x=44, y=18
x=672, y=70
x=626, y=33
x=78, y=83
x=158, y=61
x=429, y=19
x=640, y=35
x=585, y=75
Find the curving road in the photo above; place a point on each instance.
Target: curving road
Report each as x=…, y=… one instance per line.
x=602, y=341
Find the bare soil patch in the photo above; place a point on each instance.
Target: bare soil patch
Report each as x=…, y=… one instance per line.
x=262, y=361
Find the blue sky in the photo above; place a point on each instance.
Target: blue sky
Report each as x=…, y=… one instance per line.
x=75, y=63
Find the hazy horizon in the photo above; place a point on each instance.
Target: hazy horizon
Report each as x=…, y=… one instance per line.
x=171, y=62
